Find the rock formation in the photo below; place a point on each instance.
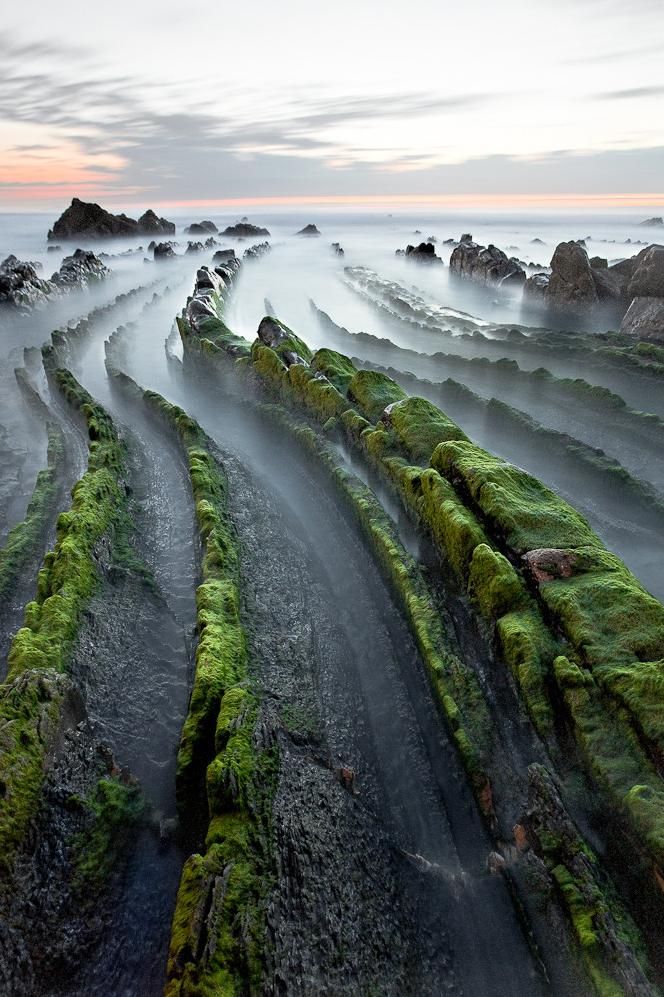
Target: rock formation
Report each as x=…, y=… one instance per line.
x=201, y=228
x=253, y=252
x=244, y=230
x=424, y=253
x=308, y=230
x=224, y=255
x=577, y=286
x=653, y=222
x=336, y=249
x=22, y=287
x=486, y=265
x=164, y=251
x=87, y=220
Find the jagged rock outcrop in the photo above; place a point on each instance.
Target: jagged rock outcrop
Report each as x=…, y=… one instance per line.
x=79, y=270
x=164, y=251
x=253, y=252
x=308, y=230
x=20, y=284
x=485, y=264
x=201, y=228
x=211, y=285
x=23, y=288
x=83, y=219
x=336, y=249
x=194, y=247
x=653, y=222
x=424, y=253
x=244, y=230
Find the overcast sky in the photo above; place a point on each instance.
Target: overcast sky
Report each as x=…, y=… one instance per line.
x=157, y=101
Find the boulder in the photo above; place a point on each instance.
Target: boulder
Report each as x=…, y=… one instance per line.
x=308, y=230
x=244, y=230
x=164, y=251
x=202, y=228
x=644, y=319
x=485, y=265
x=545, y=564
x=574, y=286
x=89, y=220
x=647, y=278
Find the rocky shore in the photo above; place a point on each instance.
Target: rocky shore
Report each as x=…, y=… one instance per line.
x=22, y=287
x=86, y=220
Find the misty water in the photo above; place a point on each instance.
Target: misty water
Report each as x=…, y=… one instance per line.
x=373, y=696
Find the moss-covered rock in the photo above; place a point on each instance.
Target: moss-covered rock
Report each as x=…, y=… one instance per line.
x=420, y=427
x=373, y=392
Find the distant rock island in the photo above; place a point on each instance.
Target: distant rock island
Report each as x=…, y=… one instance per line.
x=424, y=253
x=244, y=230
x=654, y=222
x=202, y=228
x=308, y=230
x=88, y=220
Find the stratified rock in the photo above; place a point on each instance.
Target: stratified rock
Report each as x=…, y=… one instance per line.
x=79, y=270
x=653, y=222
x=20, y=284
x=244, y=230
x=308, y=230
x=202, y=228
x=644, y=319
x=89, y=220
x=164, y=251
x=424, y=253
x=485, y=265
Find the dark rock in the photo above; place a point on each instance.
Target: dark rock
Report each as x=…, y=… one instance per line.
x=244, y=230
x=194, y=247
x=653, y=222
x=53, y=249
x=432, y=239
x=253, y=252
x=336, y=247
x=450, y=242
x=270, y=332
x=89, y=220
x=164, y=251
x=151, y=246
x=150, y=224
x=79, y=270
x=202, y=228
x=308, y=230
x=486, y=265
x=424, y=253
x=466, y=237
x=21, y=286
x=223, y=255
x=574, y=286
x=599, y=263
x=210, y=242
x=537, y=242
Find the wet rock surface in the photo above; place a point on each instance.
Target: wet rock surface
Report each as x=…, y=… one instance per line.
x=485, y=264
x=23, y=288
x=88, y=220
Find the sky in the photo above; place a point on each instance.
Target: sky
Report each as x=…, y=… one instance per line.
x=159, y=102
